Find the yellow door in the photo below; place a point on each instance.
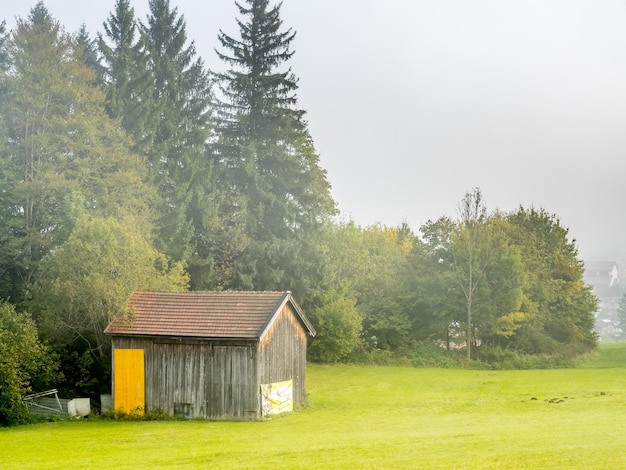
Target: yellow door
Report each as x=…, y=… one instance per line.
x=128, y=380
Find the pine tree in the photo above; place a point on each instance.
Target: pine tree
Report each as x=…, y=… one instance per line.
x=126, y=75
x=4, y=67
x=90, y=51
x=265, y=152
x=4, y=54
x=182, y=94
x=162, y=92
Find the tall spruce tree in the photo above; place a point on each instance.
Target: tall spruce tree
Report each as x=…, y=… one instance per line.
x=182, y=123
x=90, y=51
x=4, y=67
x=4, y=53
x=126, y=75
x=266, y=155
x=162, y=92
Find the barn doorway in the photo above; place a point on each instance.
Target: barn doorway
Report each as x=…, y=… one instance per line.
x=129, y=381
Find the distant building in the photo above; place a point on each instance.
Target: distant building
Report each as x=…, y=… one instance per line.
x=604, y=278
x=601, y=274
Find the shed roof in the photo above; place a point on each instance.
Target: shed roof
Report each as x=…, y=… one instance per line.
x=217, y=315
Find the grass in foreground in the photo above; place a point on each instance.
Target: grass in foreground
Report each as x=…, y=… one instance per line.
x=373, y=417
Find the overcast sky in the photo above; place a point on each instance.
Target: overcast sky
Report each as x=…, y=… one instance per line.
x=412, y=103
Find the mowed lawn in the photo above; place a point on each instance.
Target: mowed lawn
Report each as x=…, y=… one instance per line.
x=373, y=417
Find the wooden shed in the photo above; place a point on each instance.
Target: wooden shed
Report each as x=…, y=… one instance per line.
x=215, y=355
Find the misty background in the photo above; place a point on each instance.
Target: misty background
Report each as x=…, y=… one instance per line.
x=412, y=103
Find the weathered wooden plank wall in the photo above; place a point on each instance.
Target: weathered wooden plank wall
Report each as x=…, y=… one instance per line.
x=231, y=379
x=217, y=381
x=282, y=353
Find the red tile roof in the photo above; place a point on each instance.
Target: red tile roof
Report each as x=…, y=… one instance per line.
x=227, y=314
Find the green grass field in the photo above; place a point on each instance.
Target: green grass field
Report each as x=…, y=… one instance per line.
x=373, y=417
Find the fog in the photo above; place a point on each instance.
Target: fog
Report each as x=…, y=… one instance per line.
x=412, y=103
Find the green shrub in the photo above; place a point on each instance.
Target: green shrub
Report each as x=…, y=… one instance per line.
x=338, y=325
x=22, y=359
x=138, y=415
x=563, y=356
x=429, y=354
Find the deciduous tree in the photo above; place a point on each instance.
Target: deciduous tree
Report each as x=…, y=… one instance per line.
x=60, y=143
x=338, y=326
x=559, y=305
x=86, y=282
x=435, y=297
x=471, y=255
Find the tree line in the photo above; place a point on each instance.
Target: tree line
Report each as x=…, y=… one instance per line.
x=126, y=163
